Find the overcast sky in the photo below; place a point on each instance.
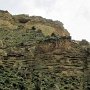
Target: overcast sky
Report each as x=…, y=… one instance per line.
x=75, y=14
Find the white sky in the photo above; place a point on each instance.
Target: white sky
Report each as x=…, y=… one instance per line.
x=75, y=14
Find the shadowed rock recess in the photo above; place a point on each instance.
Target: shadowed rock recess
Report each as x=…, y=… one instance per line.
x=39, y=54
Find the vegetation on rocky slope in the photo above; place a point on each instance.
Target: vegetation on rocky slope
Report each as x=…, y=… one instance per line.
x=32, y=59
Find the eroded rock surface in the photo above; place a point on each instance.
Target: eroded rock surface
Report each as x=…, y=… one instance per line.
x=39, y=54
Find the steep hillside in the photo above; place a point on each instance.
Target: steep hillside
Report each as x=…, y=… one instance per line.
x=39, y=54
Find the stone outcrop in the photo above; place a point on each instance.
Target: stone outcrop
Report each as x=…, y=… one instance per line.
x=39, y=54
x=8, y=21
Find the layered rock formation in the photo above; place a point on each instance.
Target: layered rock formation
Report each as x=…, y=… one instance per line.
x=39, y=54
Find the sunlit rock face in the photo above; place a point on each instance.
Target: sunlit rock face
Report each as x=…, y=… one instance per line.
x=39, y=54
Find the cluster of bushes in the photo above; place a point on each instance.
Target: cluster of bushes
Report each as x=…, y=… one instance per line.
x=15, y=37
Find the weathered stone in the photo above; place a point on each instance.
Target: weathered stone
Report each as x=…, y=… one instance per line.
x=40, y=55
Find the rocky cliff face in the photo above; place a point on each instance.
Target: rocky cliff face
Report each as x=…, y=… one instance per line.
x=39, y=54
x=25, y=22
